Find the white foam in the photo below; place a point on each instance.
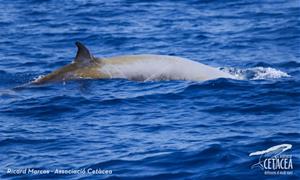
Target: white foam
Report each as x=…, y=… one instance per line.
x=256, y=73
x=36, y=79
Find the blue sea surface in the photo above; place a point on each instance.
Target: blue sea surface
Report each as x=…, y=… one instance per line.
x=152, y=129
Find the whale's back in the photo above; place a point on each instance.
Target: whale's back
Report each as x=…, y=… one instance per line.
x=133, y=67
x=159, y=67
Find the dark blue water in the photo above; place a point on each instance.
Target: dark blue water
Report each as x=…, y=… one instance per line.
x=150, y=130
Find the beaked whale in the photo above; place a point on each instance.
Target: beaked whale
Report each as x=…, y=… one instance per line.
x=133, y=67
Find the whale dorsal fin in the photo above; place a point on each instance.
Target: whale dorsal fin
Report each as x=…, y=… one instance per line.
x=83, y=55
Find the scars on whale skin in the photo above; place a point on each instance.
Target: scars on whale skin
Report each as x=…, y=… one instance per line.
x=145, y=67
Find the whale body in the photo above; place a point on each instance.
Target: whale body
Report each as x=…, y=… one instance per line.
x=133, y=67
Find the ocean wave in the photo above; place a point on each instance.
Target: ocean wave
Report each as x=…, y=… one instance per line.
x=14, y=141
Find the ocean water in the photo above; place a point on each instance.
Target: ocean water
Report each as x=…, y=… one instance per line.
x=152, y=129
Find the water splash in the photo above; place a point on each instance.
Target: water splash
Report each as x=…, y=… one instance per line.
x=256, y=73
x=36, y=79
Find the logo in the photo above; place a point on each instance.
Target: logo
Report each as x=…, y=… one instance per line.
x=275, y=160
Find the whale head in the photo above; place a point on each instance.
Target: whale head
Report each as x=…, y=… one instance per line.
x=85, y=65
